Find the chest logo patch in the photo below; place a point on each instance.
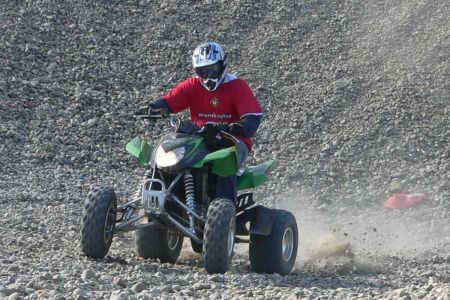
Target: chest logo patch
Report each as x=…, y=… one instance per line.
x=214, y=102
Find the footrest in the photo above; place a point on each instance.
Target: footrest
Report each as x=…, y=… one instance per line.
x=244, y=201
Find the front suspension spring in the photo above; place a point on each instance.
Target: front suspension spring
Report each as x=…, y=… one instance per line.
x=190, y=197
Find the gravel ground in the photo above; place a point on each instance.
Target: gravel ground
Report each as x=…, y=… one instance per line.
x=354, y=93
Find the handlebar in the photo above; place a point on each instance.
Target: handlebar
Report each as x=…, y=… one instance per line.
x=176, y=123
x=154, y=114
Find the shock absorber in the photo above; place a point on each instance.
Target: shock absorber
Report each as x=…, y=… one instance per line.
x=190, y=197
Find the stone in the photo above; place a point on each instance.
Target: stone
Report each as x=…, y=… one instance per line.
x=88, y=275
x=120, y=282
x=14, y=296
x=138, y=287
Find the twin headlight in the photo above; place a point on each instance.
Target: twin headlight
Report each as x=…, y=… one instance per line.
x=169, y=158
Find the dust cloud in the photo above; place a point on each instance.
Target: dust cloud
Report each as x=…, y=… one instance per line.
x=353, y=240
x=350, y=239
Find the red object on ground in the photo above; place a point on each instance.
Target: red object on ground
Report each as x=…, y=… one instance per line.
x=402, y=200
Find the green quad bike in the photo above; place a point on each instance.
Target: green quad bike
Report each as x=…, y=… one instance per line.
x=175, y=201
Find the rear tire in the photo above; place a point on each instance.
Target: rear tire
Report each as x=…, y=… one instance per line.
x=275, y=253
x=156, y=242
x=98, y=222
x=218, y=238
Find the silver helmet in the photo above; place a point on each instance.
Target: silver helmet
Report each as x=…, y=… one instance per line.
x=210, y=61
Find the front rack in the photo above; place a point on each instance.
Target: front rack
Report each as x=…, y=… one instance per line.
x=153, y=199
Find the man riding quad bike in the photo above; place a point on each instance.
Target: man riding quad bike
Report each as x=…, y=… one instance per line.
x=190, y=188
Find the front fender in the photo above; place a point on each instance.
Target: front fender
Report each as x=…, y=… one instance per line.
x=224, y=161
x=140, y=149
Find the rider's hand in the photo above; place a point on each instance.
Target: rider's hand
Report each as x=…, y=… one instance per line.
x=187, y=126
x=236, y=128
x=222, y=127
x=212, y=126
x=213, y=135
x=148, y=111
x=143, y=111
x=164, y=112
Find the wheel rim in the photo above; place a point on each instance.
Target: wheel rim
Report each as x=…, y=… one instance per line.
x=172, y=240
x=110, y=222
x=230, y=243
x=287, y=244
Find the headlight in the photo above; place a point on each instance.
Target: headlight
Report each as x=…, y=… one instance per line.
x=170, y=158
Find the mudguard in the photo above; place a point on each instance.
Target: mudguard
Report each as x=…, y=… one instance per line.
x=140, y=149
x=260, y=218
x=256, y=175
x=263, y=222
x=224, y=162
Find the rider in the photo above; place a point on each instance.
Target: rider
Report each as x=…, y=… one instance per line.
x=218, y=101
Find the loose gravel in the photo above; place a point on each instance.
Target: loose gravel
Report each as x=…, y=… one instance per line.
x=354, y=93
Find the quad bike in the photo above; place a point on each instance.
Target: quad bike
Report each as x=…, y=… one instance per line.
x=176, y=200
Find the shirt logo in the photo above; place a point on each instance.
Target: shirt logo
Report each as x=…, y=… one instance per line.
x=214, y=102
x=214, y=116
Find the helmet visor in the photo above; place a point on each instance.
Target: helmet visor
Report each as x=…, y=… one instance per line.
x=209, y=72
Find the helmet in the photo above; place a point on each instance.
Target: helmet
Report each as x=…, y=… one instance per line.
x=210, y=61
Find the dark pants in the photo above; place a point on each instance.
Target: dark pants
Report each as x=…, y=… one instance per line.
x=226, y=187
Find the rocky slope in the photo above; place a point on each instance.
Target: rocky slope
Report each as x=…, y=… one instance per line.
x=354, y=93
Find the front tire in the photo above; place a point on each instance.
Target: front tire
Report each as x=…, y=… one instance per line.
x=218, y=238
x=98, y=222
x=275, y=253
x=156, y=242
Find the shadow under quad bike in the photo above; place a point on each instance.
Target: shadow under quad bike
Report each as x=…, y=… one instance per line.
x=176, y=200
